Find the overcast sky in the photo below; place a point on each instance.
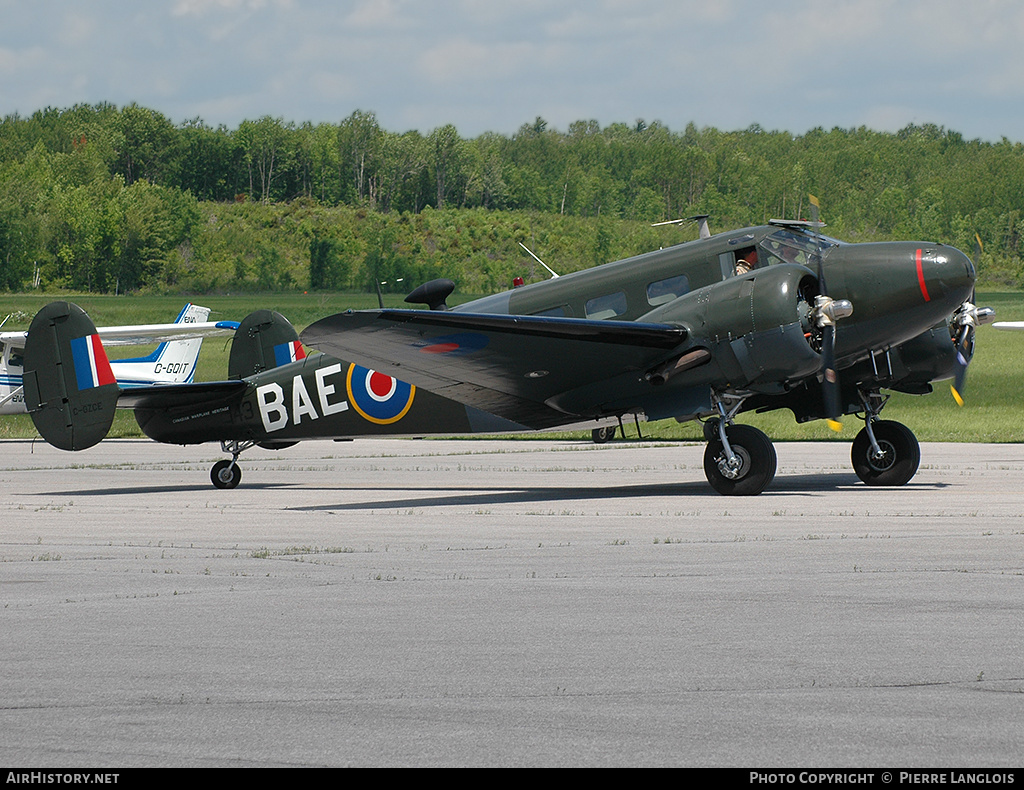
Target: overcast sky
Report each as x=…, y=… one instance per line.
x=493, y=65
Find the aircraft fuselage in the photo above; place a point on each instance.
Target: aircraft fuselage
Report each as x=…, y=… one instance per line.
x=747, y=297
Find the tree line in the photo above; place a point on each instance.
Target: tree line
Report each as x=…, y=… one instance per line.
x=108, y=199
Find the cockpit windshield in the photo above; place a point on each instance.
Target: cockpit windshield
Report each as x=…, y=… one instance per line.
x=785, y=246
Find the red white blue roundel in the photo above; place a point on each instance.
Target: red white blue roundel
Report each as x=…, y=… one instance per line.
x=377, y=397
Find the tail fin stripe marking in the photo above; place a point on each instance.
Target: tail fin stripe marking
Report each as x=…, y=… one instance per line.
x=289, y=352
x=92, y=368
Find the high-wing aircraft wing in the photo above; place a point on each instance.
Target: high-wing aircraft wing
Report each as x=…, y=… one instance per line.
x=164, y=333
x=517, y=367
x=143, y=334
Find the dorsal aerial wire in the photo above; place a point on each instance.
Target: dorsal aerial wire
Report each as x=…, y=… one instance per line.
x=701, y=220
x=552, y=271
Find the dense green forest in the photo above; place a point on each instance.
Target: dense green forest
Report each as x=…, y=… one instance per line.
x=112, y=200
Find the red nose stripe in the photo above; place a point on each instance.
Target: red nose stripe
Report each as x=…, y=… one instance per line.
x=920, y=278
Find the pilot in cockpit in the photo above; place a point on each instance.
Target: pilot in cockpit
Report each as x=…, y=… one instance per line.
x=746, y=260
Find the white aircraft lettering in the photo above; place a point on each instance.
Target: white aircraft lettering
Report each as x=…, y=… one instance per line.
x=325, y=390
x=274, y=412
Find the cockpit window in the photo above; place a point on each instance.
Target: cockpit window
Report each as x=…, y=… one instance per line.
x=784, y=246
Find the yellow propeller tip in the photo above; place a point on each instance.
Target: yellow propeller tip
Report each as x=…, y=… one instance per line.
x=835, y=425
x=956, y=396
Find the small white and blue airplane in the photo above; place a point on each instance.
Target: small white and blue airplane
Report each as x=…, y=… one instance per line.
x=172, y=362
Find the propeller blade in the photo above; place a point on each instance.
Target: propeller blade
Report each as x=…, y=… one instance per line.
x=964, y=352
x=830, y=378
x=962, y=327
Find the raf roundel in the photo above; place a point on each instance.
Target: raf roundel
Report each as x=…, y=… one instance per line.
x=379, y=398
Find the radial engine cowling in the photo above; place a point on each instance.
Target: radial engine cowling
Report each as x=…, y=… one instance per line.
x=756, y=326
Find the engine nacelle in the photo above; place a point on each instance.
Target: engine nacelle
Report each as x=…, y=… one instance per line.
x=757, y=326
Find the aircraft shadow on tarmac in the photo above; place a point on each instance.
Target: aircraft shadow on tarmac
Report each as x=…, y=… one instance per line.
x=796, y=485
x=424, y=496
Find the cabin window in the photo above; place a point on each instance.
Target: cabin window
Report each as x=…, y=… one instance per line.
x=608, y=306
x=554, y=312
x=668, y=289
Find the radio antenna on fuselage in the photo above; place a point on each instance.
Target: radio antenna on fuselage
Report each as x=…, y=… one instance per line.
x=553, y=274
x=700, y=219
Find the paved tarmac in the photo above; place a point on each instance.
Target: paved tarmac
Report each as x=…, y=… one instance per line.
x=487, y=603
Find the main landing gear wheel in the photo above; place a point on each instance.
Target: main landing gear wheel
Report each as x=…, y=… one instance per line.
x=755, y=467
x=898, y=460
x=604, y=434
x=226, y=474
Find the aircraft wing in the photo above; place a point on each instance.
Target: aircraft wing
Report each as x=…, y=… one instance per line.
x=513, y=366
x=143, y=334
x=163, y=333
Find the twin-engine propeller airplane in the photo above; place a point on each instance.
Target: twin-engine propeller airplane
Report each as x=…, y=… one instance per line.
x=703, y=330
x=172, y=362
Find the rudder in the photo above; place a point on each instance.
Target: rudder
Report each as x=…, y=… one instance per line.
x=70, y=390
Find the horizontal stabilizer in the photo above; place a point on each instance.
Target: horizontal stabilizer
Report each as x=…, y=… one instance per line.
x=174, y=396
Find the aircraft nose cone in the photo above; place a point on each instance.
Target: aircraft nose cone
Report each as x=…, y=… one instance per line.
x=944, y=273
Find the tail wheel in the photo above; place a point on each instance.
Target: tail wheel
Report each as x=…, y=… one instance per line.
x=603, y=434
x=897, y=461
x=756, y=465
x=226, y=474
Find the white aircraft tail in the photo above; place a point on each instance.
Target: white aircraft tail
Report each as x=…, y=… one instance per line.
x=172, y=362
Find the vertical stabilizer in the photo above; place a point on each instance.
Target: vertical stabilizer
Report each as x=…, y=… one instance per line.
x=70, y=389
x=264, y=340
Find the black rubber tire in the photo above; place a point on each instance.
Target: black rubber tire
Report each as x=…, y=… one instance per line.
x=901, y=455
x=604, y=434
x=226, y=474
x=757, y=454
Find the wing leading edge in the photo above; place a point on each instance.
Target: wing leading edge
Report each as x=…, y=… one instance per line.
x=522, y=368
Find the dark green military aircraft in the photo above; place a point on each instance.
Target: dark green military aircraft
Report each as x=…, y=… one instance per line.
x=703, y=330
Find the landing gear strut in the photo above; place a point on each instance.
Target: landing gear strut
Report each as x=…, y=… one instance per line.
x=884, y=453
x=739, y=460
x=228, y=474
